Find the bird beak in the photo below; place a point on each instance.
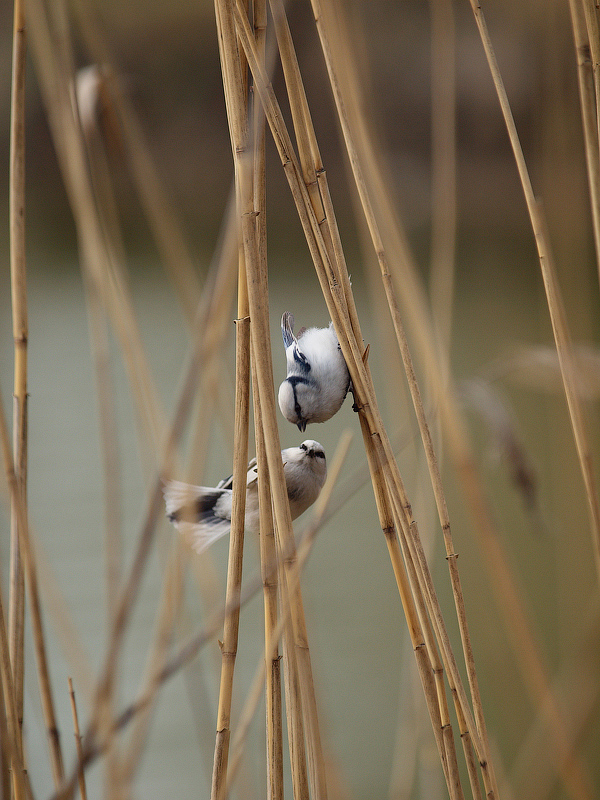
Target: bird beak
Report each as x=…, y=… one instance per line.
x=301, y=425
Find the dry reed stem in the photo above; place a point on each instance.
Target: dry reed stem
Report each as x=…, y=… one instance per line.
x=15, y=745
x=275, y=633
x=443, y=171
x=509, y=601
x=81, y=777
x=420, y=413
x=272, y=661
x=264, y=372
x=555, y=306
x=590, y=122
x=21, y=551
x=94, y=747
x=408, y=603
x=267, y=545
x=313, y=171
x=590, y=11
x=237, y=111
x=166, y=618
x=16, y=610
x=334, y=298
x=234, y=567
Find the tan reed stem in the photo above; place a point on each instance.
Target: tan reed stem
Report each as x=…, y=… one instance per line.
x=510, y=604
x=590, y=12
x=202, y=350
x=236, y=543
x=555, y=306
x=443, y=171
x=332, y=293
x=264, y=372
x=81, y=778
x=414, y=388
x=21, y=546
x=272, y=660
x=271, y=642
x=15, y=744
x=268, y=550
x=16, y=610
x=237, y=110
x=587, y=98
x=166, y=618
x=410, y=612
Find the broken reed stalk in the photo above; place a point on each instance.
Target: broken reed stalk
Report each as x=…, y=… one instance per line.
x=558, y=319
x=333, y=293
x=16, y=611
x=587, y=98
x=81, y=776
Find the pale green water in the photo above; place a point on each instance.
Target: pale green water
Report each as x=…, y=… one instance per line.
x=353, y=611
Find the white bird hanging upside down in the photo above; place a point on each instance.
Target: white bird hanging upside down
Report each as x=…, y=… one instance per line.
x=317, y=376
x=203, y=514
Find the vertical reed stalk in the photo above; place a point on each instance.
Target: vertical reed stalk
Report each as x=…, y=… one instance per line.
x=264, y=372
x=81, y=778
x=14, y=729
x=590, y=122
x=268, y=551
x=22, y=558
x=20, y=332
x=237, y=109
x=410, y=612
x=443, y=171
x=555, y=306
x=334, y=297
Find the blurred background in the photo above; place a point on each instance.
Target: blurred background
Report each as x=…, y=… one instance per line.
x=501, y=344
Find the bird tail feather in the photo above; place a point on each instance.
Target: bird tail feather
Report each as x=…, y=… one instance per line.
x=191, y=509
x=287, y=328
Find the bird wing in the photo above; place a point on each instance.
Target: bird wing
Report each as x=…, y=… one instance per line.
x=227, y=483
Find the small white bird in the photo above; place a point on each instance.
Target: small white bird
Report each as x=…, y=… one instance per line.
x=204, y=514
x=317, y=376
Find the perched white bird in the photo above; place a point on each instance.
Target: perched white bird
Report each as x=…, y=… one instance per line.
x=317, y=376
x=204, y=514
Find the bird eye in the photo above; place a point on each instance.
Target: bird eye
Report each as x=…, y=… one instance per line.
x=319, y=454
x=303, y=446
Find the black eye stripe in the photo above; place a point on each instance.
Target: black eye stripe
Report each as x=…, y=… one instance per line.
x=294, y=380
x=303, y=447
x=319, y=454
